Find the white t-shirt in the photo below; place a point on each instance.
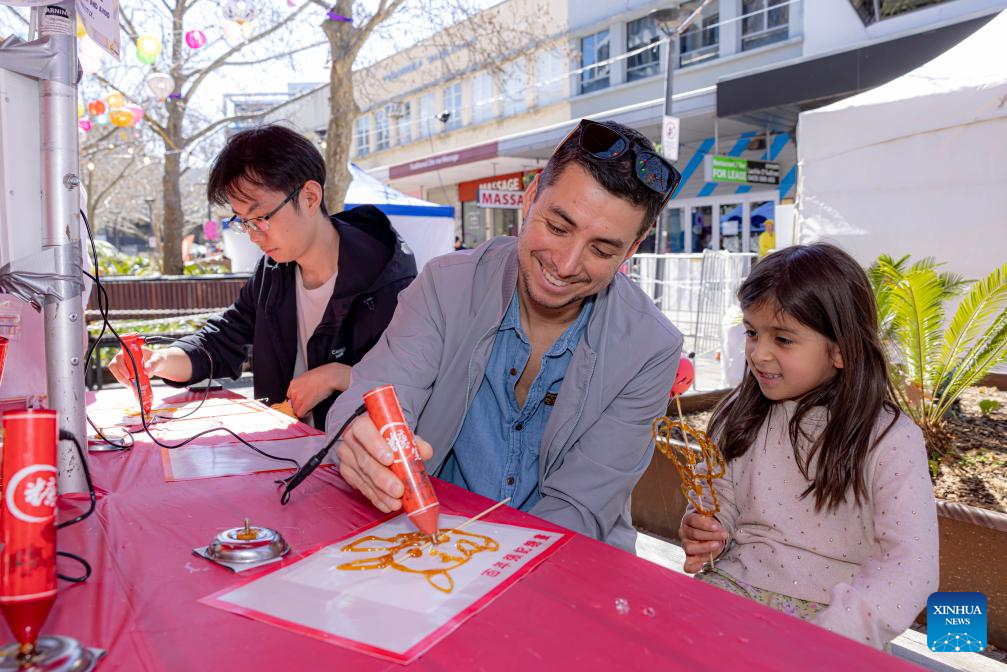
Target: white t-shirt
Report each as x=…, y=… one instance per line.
x=311, y=304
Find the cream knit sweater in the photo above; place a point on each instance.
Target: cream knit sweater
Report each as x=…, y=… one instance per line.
x=874, y=564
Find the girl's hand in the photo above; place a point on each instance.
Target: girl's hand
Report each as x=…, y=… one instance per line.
x=701, y=536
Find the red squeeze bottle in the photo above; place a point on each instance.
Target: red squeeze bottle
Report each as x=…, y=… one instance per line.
x=28, y=523
x=3, y=355
x=134, y=342
x=419, y=499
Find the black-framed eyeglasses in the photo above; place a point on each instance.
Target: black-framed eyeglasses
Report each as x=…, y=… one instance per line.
x=606, y=143
x=259, y=224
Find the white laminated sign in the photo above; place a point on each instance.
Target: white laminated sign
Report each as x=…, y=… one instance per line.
x=384, y=590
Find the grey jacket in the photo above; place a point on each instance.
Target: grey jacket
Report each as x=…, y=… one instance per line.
x=597, y=442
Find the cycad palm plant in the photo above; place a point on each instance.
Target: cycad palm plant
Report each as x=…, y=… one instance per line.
x=932, y=364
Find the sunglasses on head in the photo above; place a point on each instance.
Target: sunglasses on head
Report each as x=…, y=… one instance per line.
x=606, y=143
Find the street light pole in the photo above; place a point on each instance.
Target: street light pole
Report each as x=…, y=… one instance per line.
x=669, y=21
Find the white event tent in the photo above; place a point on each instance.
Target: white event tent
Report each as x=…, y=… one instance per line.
x=915, y=166
x=427, y=228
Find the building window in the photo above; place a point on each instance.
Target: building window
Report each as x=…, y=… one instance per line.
x=594, y=49
x=362, y=135
x=647, y=62
x=701, y=41
x=452, y=100
x=382, y=136
x=482, y=98
x=401, y=115
x=549, y=77
x=515, y=85
x=428, y=113
x=871, y=11
x=764, y=22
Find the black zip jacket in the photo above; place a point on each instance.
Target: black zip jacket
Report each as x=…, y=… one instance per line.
x=374, y=266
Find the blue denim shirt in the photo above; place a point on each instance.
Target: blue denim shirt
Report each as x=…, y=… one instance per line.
x=496, y=452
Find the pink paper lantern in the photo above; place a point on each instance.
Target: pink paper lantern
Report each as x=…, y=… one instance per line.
x=84, y=124
x=684, y=377
x=195, y=39
x=211, y=229
x=137, y=113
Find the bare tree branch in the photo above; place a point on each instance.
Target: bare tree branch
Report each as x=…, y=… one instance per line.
x=154, y=124
x=273, y=57
x=127, y=24
x=381, y=14
x=220, y=60
x=118, y=178
x=19, y=17
x=251, y=115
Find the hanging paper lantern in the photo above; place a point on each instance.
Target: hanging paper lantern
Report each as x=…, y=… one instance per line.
x=137, y=114
x=195, y=39
x=90, y=55
x=84, y=124
x=235, y=33
x=89, y=65
x=239, y=10
x=80, y=109
x=160, y=84
x=101, y=119
x=96, y=107
x=115, y=99
x=121, y=117
x=210, y=229
x=148, y=48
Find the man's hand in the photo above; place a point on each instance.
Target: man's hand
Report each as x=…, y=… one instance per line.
x=311, y=387
x=364, y=458
x=701, y=536
x=121, y=366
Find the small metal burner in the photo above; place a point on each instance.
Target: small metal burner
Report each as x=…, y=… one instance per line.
x=53, y=653
x=247, y=544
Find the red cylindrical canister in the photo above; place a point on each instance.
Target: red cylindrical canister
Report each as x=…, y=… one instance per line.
x=419, y=499
x=28, y=522
x=3, y=354
x=134, y=342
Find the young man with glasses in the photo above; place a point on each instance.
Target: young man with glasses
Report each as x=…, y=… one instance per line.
x=530, y=367
x=319, y=298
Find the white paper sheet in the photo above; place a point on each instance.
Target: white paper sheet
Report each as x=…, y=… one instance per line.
x=201, y=460
x=388, y=612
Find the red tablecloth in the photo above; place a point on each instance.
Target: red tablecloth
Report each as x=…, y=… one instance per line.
x=141, y=602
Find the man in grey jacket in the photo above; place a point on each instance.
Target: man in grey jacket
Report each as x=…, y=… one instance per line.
x=532, y=368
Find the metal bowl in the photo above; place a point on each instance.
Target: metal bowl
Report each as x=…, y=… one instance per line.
x=247, y=544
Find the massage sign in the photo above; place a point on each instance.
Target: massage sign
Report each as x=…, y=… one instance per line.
x=504, y=191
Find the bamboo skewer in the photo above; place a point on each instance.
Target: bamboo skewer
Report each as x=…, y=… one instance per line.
x=471, y=520
x=685, y=461
x=685, y=437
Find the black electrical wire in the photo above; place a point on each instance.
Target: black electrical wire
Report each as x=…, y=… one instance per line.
x=68, y=436
x=103, y=309
x=295, y=480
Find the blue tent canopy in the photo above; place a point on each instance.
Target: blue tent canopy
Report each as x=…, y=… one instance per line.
x=365, y=189
x=759, y=216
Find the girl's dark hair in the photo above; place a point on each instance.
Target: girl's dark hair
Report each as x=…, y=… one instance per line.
x=271, y=156
x=824, y=289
